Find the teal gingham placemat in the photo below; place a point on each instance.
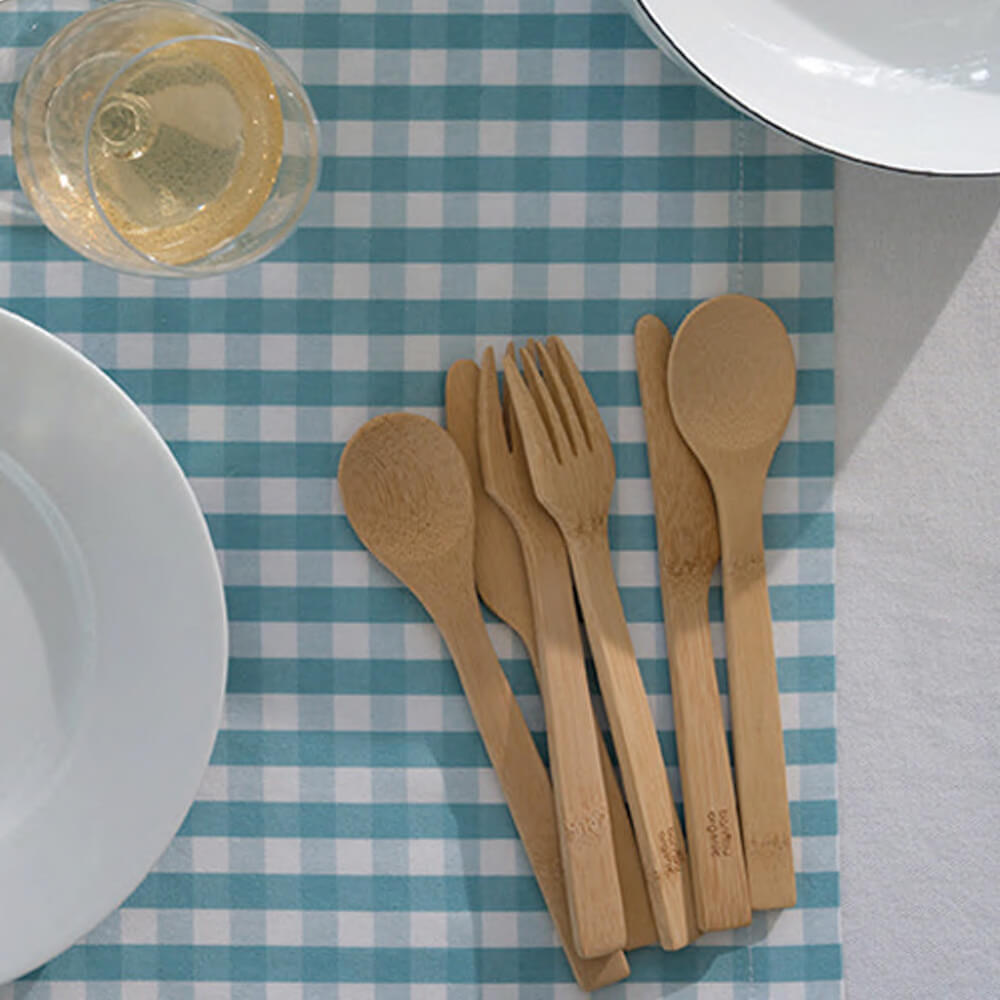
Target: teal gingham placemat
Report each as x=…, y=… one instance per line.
x=492, y=168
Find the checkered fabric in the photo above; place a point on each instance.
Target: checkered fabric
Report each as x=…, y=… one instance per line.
x=492, y=169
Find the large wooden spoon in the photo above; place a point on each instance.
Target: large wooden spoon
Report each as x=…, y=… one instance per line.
x=731, y=382
x=406, y=492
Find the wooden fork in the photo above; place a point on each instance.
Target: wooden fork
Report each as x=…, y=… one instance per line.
x=573, y=473
x=511, y=590
x=588, y=854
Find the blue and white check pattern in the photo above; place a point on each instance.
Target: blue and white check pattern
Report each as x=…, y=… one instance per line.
x=492, y=168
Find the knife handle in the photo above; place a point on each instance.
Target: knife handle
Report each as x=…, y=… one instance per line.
x=715, y=847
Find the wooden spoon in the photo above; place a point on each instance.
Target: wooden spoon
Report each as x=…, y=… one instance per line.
x=506, y=589
x=688, y=541
x=731, y=380
x=406, y=492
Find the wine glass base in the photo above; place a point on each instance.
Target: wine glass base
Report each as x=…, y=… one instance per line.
x=66, y=115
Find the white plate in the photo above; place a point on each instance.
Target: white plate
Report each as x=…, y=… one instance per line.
x=112, y=646
x=908, y=84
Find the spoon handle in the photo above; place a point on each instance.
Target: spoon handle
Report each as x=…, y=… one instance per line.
x=657, y=829
x=718, y=870
x=522, y=775
x=588, y=850
x=758, y=743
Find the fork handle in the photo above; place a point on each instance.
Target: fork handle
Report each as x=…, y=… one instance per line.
x=522, y=775
x=588, y=849
x=758, y=743
x=657, y=830
x=640, y=931
x=718, y=871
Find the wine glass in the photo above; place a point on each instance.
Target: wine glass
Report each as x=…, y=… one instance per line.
x=158, y=137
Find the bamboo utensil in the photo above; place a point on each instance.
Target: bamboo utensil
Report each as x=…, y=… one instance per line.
x=572, y=470
x=508, y=588
x=688, y=543
x=501, y=579
x=406, y=493
x=588, y=852
x=731, y=381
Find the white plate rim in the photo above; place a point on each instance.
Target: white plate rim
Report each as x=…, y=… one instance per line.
x=669, y=43
x=101, y=904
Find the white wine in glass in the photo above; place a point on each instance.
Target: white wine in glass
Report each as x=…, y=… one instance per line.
x=158, y=137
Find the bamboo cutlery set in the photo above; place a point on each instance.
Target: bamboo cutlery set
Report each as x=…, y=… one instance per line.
x=513, y=502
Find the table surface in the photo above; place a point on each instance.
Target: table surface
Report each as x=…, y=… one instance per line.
x=918, y=587
x=414, y=868
x=918, y=499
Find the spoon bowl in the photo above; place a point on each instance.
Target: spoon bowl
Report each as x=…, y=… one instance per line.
x=733, y=386
x=406, y=493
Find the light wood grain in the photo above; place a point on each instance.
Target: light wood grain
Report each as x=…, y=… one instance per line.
x=406, y=493
x=731, y=380
x=501, y=578
x=572, y=472
x=588, y=851
x=688, y=544
x=511, y=592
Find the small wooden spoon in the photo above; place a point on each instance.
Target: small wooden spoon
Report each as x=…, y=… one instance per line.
x=731, y=381
x=406, y=492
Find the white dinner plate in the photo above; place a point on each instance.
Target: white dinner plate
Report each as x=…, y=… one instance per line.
x=908, y=84
x=113, y=646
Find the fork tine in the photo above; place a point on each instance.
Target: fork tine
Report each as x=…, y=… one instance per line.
x=578, y=438
x=546, y=405
x=586, y=408
x=510, y=417
x=538, y=446
x=492, y=439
